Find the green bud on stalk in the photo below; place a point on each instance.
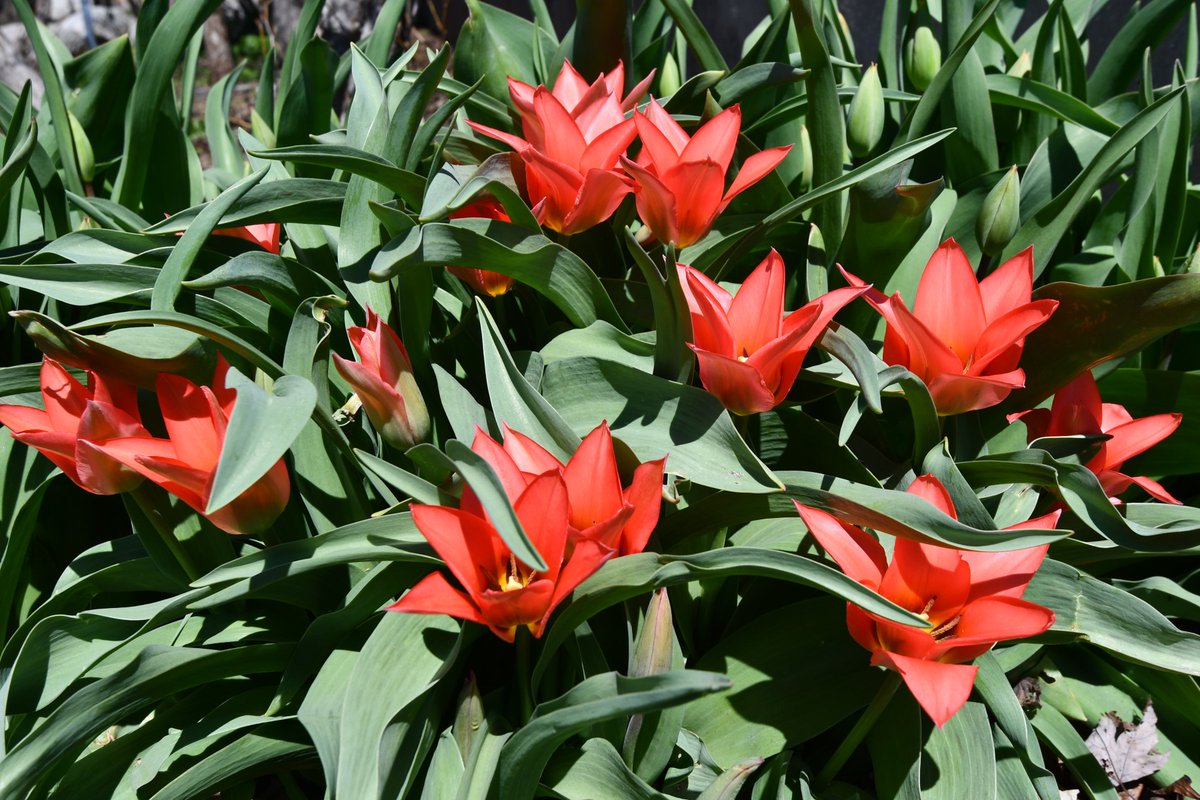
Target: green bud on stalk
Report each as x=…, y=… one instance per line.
x=1022, y=66
x=1000, y=214
x=865, y=126
x=669, y=79
x=806, y=160
x=922, y=58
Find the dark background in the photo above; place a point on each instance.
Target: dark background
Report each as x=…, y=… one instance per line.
x=730, y=21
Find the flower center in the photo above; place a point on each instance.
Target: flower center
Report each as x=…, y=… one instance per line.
x=946, y=629
x=514, y=577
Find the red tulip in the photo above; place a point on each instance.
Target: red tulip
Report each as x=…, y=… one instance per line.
x=74, y=420
x=573, y=137
x=483, y=281
x=265, y=235
x=594, y=487
x=679, y=180
x=1077, y=410
x=964, y=337
x=970, y=599
x=749, y=349
x=384, y=382
x=577, y=517
x=185, y=463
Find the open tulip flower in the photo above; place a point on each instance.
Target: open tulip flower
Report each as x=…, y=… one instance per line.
x=74, y=420
x=185, y=463
x=971, y=600
x=963, y=337
x=749, y=350
x=576, y=516
x=1077, y=410
x=573, y=138
x=679, y=180
x=384, y=382
x=492, y=284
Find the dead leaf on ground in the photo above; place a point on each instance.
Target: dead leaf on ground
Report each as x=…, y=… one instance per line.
x=1126, y=750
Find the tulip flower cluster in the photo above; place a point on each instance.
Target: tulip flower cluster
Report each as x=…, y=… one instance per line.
x=970, y=600
x=95, y=436
x=577, y=516
x=576, y=172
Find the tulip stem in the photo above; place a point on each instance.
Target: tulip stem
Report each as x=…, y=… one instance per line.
x=524, y=643
x=861, y=728
x=153, y=510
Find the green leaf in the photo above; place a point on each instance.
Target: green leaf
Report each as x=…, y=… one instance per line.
x=495, y=44
x=656, y=418
x=1046, y=228
x=299, y=200
x=552, y=270
x=1061, y=737
x=1031, y=95
x=595, y=772
x=750, y=720
x=183, y=254
x=708, y=55
x=14, y=167
x=1094, y=324
x=80, y=284
x=408, y=185
x=226, y=155
x=1115, y=620
x=1120, y=60
x=599, y=698
x=261, y=429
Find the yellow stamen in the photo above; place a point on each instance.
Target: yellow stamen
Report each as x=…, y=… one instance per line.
x=945, y=628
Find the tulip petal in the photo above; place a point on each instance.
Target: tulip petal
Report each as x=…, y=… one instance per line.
x=194, y=420
x=1009, y=286
x=603, y=152
x=716, y=139
x=470, y=546
x=1077, y=409
x=754, y=169
x=589, y=555
x=543, y=511
x=19, y=419
x=667, y=126
x=708, y=304
x=998, y=339
x=521, y=94
x=859, y=554
x=736, y=384
x=1155, y=490
x=911, y=344
x=645, y=495
x=505, y=611
x=63, y=396
x=513, y=141
x=957, y=394
x=563, y=142
x=932, y=491
x=529, y=456
x=940, y=689
x=658, y=151
x=997, y=619
x=861, y=627
x=699, y=184
x=255, y=509
x=58, y=446
x=593, y=483
x=948, y=301
x=756, y=313
x=927, y=578
x=1004, y=574
x=569, y=86
x=655, y=203
x=1137, y=436
x=602, y=191
x=778, y=362
x=636, y=93
x=433, y=594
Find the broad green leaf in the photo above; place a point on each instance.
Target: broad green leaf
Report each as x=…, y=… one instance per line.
x=697, y=36
x=530, y=258
x=1064, y=741
x=298, y=200
x=80, y=284
x=495, y=44
x=407, y=185
x=1031, y=95
x=751, y=719
x=223, y=147
x=960, y=757
x=265, y=751
x=595, y=772
x=1115, y=620
x=596, y=699
x=261, y=429
x=1094, y=324
x=13, y=169
x=657, y=418
x=1122, y=57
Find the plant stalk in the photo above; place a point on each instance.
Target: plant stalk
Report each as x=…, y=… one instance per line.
x=860, y=730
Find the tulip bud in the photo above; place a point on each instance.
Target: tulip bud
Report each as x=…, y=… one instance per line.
x=653, y=654
x=669, y=80
x=384, y=381
x=1000, y=215
x=469, y=722
x=922, y=58
x=1022, y=66
x=806, y=160
x=865, y=127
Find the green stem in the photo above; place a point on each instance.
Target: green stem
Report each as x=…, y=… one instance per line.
x=861, y=728
x=524, y=644
x=153, y=510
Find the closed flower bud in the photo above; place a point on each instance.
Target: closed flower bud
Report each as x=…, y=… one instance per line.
x=669, y=80
x=1000, y=215
x=806, y=160
x=383, y=380
x=1022, y=66
x=922, y=58
x=865, y=127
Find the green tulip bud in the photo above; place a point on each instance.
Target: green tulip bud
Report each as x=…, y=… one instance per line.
x=654, y=653
x=669, y=79
x=470, y=724
x=1022, y=66
x=922, y=58
x=806, y=160
x=865, y=126
x=1000, y=215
